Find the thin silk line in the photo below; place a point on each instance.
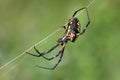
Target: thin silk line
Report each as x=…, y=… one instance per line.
x=29, y=49
x=87, y=6
x=13, y=67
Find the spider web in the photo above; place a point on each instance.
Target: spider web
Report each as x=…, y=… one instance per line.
x=41, y=41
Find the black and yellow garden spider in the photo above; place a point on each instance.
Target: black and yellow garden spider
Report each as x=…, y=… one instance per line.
x=72, y=31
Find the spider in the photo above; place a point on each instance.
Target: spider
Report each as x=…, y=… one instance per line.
x=72, y=31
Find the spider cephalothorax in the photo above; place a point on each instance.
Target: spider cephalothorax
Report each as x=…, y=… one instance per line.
x=72, y=31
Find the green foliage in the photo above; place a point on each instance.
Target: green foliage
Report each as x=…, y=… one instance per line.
x=94, y=56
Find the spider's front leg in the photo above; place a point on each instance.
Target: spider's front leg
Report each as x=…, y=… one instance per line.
x=42, y=54
x=61, y=55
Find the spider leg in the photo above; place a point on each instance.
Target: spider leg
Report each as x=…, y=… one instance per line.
x=87, y=22
x=61, y=55
x=87, y=17
x=50, y=49
x=58, y=42
x=63, y=27
x=78, y=11
x=42, y=54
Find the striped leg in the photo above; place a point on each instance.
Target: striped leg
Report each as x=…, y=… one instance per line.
x=42, y=54
x=87, y=22
x=61, y=55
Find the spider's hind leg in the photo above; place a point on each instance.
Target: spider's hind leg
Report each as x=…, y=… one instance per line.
x=83, y=31
x=78, y=11
x=84, y=8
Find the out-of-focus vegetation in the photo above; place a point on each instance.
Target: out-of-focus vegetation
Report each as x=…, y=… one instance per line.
x=94, y=56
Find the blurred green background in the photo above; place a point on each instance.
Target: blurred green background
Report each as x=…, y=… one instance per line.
x=94, y=56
